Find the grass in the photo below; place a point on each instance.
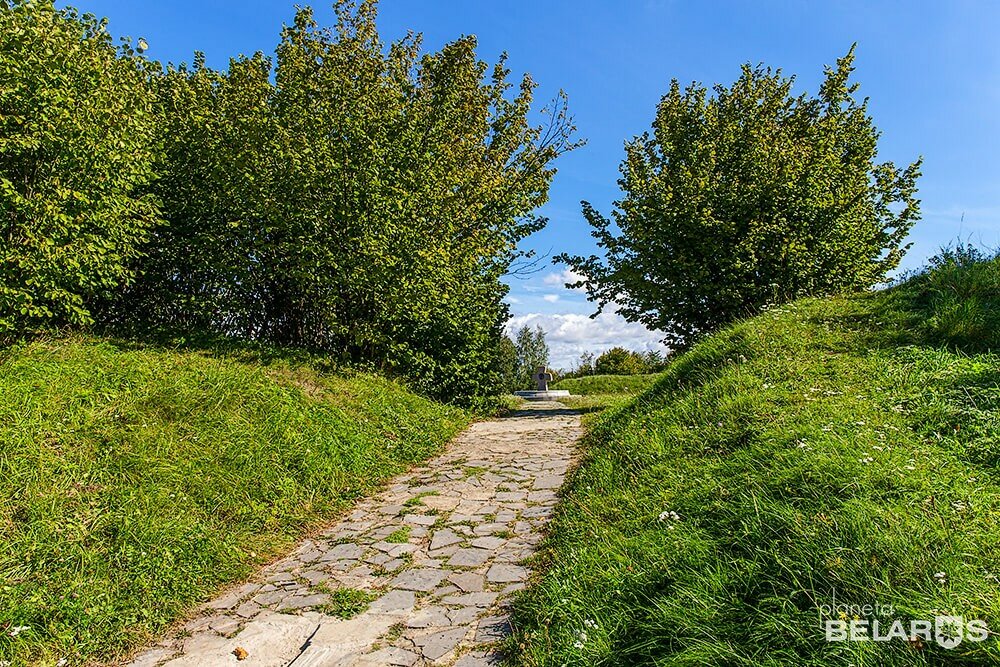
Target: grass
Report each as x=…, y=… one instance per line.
x=418, y=499
x=607, y=384
x=399, y=536
x=347, y=603
x=834, y=450
x=135, y=482
x=594, y=403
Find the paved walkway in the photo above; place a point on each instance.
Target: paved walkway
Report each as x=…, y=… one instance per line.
x=435, y=556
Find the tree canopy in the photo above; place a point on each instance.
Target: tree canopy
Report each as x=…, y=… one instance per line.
x=347, y=196
x=748, y=197
x=77, y=144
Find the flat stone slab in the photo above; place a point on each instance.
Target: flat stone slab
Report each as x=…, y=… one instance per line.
x=430, y=559
x=502, y=573
x=547, y=395
x=423, y=579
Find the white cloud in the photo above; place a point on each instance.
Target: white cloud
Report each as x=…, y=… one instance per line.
x=551, y=298
x=562, y=277
x=512, y=299
x=569, y=335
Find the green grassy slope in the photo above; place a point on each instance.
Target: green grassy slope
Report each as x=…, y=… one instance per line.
x=607, y=384
x=842, y=448
x=134, y=482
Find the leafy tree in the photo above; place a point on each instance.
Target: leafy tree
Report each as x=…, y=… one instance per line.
x=358, y=199
x=77, y=131
x=745, y=198
x=507, y=365
x=654, y=360
x=619, y=361
x=532, y=353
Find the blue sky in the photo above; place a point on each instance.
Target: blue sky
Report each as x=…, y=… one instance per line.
x=931, y=69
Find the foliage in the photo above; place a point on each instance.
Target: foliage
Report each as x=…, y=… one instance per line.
x=135, y=481
x=77, y=125
x=507, y=365
x=366, y=203
x=532, y=354
x=619, y=361
x=747, y=198
x=825, y=450
x=585, y=366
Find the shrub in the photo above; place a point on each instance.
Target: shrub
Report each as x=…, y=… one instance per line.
x=77, y=127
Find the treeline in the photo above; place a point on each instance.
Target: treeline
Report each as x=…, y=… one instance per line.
x=346, y=196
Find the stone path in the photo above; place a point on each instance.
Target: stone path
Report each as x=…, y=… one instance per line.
x=430, y=561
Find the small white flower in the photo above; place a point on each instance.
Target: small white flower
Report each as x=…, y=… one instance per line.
x=941, y=577
x=577, y=644
x=583, y=635
x=867, y=459
x=669, y=515
x=590, y=623
x=18, y=629
x=62, y=662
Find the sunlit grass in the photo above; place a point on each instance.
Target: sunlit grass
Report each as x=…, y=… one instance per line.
x=839, y=447
x=135, y=482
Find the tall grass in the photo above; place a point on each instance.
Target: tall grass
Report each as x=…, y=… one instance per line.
x=841, y=450
x=134, y=482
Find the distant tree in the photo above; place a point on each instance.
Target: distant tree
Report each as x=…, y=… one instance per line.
x=532, y=353
x=77, y=140
x=745, y=198
x=585, y=366
x=619, y=361
x=507, y=366
x=655, y=361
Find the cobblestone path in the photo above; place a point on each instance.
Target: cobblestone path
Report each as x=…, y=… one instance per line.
x=430, y=561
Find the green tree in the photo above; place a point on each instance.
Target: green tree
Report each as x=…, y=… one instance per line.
x=77, y=139
x=359, y=199
x=532, y=354
x=619, y=361
x=746, y=198
x=507, y=365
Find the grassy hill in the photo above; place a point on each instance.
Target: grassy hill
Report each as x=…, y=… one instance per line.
x=136, y=481
x=834, y=450
x=591, y=385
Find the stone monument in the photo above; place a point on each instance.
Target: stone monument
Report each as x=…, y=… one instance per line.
x=542, y=378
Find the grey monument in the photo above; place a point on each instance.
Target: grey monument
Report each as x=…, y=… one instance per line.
x=542, y=379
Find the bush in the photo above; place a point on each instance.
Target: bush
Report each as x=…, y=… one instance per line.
x=77, y=129
x=619, y=361
x=747, y=198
